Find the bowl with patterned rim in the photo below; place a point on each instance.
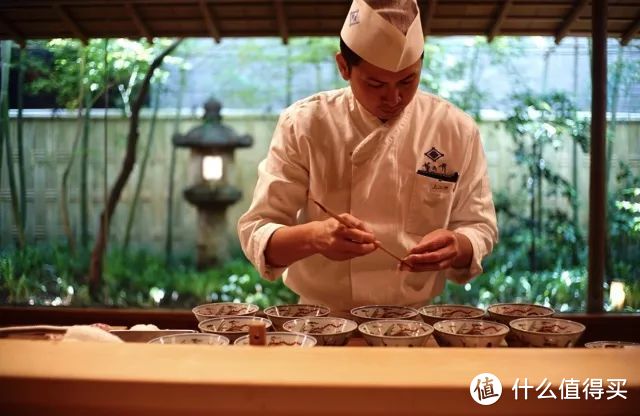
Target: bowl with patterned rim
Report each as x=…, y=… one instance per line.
x=434, y=313
x=280, y=314
x=232, y=327
x=395, y=333
x=326, y=330
x=366, y=313
x=507, y=312
x=215, y=310
x=611, y=344
x=282, y=339
x=469, y=333
x=546, y=332
x=192, y=339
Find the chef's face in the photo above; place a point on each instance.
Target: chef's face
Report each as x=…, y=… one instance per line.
x=382, y=93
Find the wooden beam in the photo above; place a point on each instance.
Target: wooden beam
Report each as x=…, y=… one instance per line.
x=597, y=171
x=17, y=35
x=209, y=21
x=630, y=32
x=500, y=16
x=571, y=18
x=137, y=20
x=427, y=17
x=70, y=23
x=281, y=18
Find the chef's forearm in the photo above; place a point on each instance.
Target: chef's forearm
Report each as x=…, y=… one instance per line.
x=290, y=244
x=465, y=252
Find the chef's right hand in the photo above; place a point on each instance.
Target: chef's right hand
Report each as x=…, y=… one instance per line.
x=339, y=242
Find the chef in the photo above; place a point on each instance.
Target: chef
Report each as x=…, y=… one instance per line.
x=404, y=170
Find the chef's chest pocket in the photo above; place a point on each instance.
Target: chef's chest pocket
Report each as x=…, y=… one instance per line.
x=430, y=205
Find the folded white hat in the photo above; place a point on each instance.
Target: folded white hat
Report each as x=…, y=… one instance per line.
x=378, y=41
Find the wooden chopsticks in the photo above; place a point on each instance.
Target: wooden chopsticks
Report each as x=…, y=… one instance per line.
x=346, y=224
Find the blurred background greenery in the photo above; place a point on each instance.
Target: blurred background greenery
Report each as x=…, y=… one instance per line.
x=542, y=253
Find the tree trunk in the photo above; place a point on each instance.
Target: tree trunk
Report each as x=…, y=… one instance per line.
x=95, y=267
x=532, y=224
x=467, y=101
x=4, y=95
x=168, y=247
x=574, y=160
x=64, y=208
x=84, y=168
x=615, y=95
x=143, y=168
x=19, y=121
x=4, y=89
x=539, y=197
x=613, y=108
x=289, y=77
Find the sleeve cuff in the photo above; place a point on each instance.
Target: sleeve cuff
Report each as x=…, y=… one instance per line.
x=462, y=276
x=263, y=235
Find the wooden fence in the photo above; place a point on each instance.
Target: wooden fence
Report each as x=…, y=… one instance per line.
x=48, y=142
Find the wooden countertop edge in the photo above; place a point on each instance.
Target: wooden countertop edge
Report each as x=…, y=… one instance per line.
x=139, y=379
x=319, y=366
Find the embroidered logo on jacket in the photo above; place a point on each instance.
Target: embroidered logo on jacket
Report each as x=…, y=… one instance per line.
x=434, y=154
x=434, y=170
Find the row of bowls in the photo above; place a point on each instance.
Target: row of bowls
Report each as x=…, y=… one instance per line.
x=430, y=314
x=388, y=325
x=306, y=332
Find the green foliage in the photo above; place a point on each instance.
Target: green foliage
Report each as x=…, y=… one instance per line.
x=564, y=290
x=127, y=62
x=268, y=71
x=39, y=275
x=539, y=124
x=624, y=227
x=535, y=211
x=54, y=276
x=457, y=78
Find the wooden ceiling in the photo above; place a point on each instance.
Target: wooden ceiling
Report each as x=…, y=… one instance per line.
x=84, y=19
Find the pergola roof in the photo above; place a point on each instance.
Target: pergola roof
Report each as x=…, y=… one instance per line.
x=84, y=19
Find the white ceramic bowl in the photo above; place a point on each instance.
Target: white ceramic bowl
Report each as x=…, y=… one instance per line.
x=374, y=312
x=469, y=333
x=215, y=310
x=507, y=312
x=192, y=339
x=325, y=329
x=434, y=313
x=280, y=314
x=611, y=344
x=232, y=327
x=546, y=332
x=282, y=339
x=395, y=333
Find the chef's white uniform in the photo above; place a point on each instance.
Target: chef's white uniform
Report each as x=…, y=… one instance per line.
x=328, y=146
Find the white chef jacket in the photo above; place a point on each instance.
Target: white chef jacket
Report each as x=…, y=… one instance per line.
x=331, y=148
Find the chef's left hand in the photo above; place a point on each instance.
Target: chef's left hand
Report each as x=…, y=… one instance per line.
x=439, y=250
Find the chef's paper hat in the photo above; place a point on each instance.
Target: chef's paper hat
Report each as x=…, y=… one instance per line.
x=378, y=41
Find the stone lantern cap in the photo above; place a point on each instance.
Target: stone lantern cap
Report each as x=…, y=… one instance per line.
x=212, y=135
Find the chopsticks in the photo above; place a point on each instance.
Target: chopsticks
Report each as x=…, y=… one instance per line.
x=346, y=224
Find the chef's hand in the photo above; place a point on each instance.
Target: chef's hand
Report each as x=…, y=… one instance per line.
x=339, y=242
x=439, y=250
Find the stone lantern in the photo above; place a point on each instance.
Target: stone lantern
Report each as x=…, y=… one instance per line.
x=211, y=172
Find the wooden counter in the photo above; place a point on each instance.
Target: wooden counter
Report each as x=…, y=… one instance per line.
x=46, y=377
